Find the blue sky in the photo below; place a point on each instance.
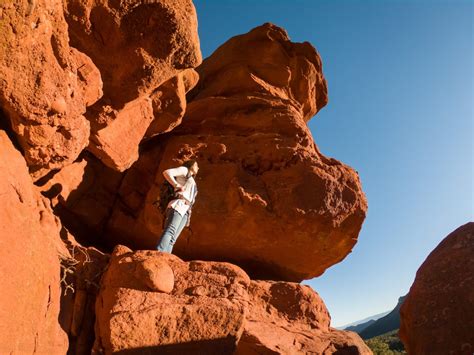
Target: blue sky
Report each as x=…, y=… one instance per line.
x=400, y=112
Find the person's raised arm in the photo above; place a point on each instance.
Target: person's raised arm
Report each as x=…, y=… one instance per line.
x=170, y=175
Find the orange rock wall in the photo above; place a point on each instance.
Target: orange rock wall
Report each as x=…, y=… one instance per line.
x=30, y=265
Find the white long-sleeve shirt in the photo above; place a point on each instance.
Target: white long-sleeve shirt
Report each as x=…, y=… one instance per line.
x=188, y=195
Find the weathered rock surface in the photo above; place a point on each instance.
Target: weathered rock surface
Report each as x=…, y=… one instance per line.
x=45, y=85
x=437, y=316
x=289, y=318
x=112, y=76
x=268, y=200
x=212, y=308
x=137, y=46
x=29, y=267
x=169, y=102
x=201, y=309
x=83, y=194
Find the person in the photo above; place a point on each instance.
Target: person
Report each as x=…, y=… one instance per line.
x=178, y=211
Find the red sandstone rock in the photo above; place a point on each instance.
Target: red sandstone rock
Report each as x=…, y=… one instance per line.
x=213, y=309
x=264, y=187
x=83, y=194
x=117, y=143
x=288, y=318
x=45, y=85
x=203, y=314
x=29, y=267
x=137, y=47
x=169, y=102
x=437, y=316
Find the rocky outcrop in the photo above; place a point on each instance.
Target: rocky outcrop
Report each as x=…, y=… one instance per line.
x=137, y=46
x=289, y=318
x=83, y=194
x=152, y=302
x=437, y=316
x=143, y=51
x=93, y=93
x=45, y=85
x=30, y=246
x=264, y=187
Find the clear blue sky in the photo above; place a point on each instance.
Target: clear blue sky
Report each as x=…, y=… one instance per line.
x=400, y=112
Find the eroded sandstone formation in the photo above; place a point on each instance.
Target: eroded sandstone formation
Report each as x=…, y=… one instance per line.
x=152, y=302
x=289, y=318
x=137, y=46
x=29, y=262
x=93, y=94
x=45, y=84
x=268, y=200
x=437, y=316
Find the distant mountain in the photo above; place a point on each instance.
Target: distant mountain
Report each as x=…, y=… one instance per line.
x=360, y=327
x=385, y=324
x=363, y=323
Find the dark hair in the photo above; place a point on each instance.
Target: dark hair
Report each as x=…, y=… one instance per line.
x=189, y=163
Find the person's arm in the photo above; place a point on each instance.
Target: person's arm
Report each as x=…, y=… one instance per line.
x=170, y=175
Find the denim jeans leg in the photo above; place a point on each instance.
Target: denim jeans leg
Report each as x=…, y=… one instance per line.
x=172, y=222
x=182, y=224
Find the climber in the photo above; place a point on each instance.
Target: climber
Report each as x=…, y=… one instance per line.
x=178, y=210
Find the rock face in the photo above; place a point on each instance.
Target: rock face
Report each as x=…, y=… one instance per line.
x=137, y=46
x=83, y=194
x=93, y=93
x=210, y=308
x=152, y=302
x=45, y=85
x=289, y=318
x=263, y=185
x=29, y=268
x=438, y=315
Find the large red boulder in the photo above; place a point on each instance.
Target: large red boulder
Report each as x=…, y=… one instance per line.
x=137, y=46
x=437, y=317
x=194, y=308
x=209, y=308
x=45, y=84
x=289, y=318
x=268, y=200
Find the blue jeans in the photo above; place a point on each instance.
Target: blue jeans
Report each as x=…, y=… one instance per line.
x=174, y=224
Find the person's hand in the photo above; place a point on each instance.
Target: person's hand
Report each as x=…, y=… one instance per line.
x=179, y=188
x=181, y=196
